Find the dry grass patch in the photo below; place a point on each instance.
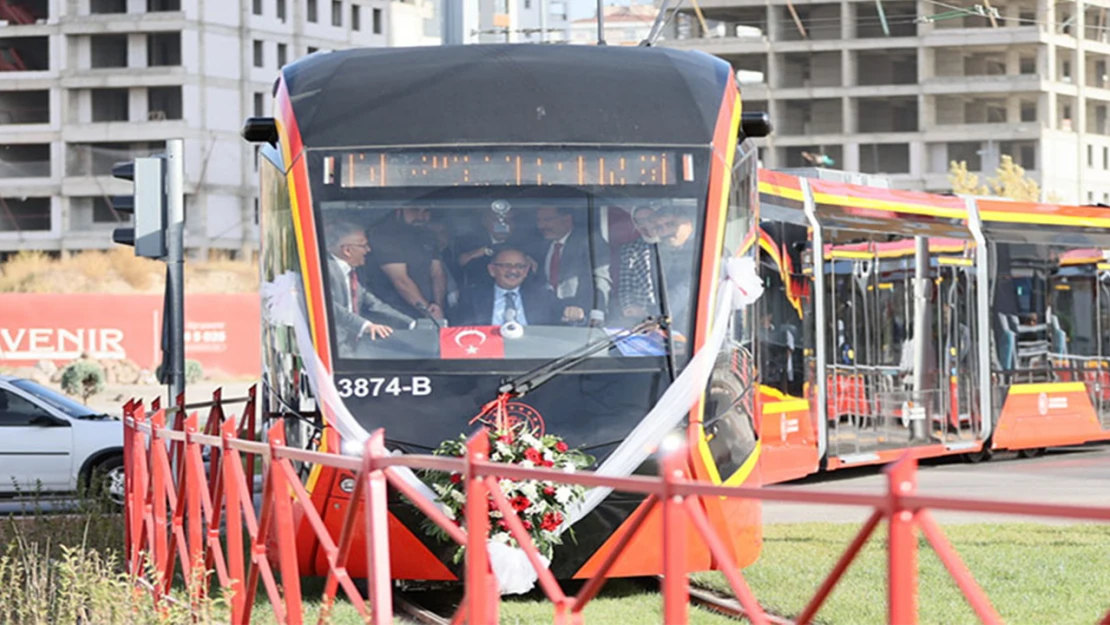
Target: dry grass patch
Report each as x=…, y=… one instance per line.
x=120, y=271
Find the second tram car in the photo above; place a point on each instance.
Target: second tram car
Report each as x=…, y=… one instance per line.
x=412, y=190
x=1012, y=352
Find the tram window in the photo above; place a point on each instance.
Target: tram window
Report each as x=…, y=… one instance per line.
x=563, y=264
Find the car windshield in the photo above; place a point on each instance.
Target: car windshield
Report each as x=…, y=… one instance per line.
x=55, y=399
x=507, y=254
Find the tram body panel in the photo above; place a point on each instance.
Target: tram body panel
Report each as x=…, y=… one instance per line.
x=424, y=397
x=1049, y=319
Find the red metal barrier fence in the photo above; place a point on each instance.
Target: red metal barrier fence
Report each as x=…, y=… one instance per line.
x=197, y=505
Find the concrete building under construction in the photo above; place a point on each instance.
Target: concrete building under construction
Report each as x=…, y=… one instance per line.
x=902, y=88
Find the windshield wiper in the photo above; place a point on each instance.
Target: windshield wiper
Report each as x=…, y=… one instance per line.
x=665, y=310
x=529, y=381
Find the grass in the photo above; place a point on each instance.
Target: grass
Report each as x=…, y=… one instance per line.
x=1031, y=573
x=120, y=271
x=58, y=568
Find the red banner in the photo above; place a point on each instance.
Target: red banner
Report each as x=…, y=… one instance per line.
x=221, y=330
x=471, y=342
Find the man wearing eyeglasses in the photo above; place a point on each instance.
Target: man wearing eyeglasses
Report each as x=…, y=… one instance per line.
x=348, y=247
x=511, y=297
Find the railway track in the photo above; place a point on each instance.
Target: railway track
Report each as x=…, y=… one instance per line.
x=439, y=610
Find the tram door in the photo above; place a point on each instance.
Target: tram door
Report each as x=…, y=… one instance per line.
x=869, y=308
x=955, y=331
x=1102, y=383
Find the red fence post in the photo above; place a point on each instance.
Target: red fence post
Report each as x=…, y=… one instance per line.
x=377, y=532
x=234, y=520
x=902, y=547
x=128, y=473
x=676, y=593
x=481, y=606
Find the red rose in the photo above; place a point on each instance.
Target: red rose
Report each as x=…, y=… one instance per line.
x=561, y=447
x=533, y=455
x=492, y=505
x=546, y=463
x=456, y=478
x=551, y=521
x=527, y=524
x=520, y=503
x=503, y=524
x=506, y=438
x=549, y=490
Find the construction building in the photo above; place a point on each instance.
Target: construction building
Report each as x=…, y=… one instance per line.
x=85, y=84
x=505, y=21
x=904, y=87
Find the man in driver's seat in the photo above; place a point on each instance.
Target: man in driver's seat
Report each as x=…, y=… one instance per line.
x=510, y=297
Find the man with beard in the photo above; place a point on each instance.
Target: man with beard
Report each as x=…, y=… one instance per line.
x=406, y=267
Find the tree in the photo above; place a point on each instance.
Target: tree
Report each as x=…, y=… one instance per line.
x=1010, y=181
x=84, y=378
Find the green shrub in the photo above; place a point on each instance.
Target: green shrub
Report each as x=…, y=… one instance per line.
x=84, y=378
x=193, y=372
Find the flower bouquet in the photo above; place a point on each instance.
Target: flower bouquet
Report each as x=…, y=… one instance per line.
x=540, y=505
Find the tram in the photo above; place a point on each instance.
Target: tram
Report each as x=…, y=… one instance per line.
x=401, y=186
x=1012, y=352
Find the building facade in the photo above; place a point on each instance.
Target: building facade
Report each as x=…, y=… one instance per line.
x=85, y=84
x=622, y=25
x=904, y=87
x=505, y=21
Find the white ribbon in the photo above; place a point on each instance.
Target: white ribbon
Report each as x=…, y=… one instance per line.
x=740, y=286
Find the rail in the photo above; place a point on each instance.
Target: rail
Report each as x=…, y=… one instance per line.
x=177, y=519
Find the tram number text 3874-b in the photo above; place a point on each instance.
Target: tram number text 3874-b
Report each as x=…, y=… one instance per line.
x=416, y=386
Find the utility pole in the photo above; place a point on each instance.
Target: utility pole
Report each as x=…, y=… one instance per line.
x=175, y=261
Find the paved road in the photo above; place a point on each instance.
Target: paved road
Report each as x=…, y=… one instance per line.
x=1076, y=475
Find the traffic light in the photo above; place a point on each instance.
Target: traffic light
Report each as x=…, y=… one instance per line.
x=147, y=204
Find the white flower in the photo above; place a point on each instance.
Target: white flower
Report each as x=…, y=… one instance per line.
x=548, y=456
x=506, y=486
x=563, y=494
x=528, y=489
x=527, y=464
x=501, y=537
x=449, y=513
x=568, y=468
x=535, y=508
x=530, y=440
x=504, y=449
x=458, y=496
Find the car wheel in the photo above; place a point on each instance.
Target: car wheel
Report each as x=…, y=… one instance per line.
x=109, y=480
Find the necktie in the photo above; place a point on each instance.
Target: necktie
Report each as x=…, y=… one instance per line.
x=553, y=272
x=354, y=291
x=510, y=306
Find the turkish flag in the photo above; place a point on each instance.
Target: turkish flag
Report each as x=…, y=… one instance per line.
x=471, y=342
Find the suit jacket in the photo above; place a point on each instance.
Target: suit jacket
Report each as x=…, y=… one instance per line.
x=581, y=283
x=348, y=323
x=476, y=305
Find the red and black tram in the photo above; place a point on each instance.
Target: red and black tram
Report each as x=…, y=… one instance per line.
x=415, y=175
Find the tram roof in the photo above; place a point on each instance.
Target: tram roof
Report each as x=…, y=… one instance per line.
x=506, y=93
x=846, y=205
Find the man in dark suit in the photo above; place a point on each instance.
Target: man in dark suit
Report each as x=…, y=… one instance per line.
x=579, y=277
x=510, y=298
x=348, y=246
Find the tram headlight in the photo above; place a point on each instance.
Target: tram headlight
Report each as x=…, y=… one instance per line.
x=347, y=484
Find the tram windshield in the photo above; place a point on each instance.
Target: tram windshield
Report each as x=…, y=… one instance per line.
x=518, y=254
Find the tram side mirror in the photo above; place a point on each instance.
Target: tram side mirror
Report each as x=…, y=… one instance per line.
x=755, y=124
x=260, y=129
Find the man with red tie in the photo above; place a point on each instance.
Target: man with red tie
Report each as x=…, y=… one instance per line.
x=348, y=247
x=578, y=275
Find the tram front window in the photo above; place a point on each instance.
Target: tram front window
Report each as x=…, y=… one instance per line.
x=507, y=255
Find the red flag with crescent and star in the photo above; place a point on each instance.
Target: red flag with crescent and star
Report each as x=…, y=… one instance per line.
x=471, y=342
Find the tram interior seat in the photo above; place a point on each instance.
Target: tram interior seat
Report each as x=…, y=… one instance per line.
x=1058, y=336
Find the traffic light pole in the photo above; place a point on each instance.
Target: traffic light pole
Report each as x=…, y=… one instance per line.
x=175, y=261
